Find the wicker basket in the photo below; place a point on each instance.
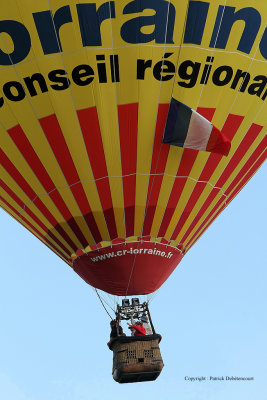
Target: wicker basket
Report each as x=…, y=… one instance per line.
x=136, y=359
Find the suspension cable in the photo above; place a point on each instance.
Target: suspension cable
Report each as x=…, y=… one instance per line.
x=103, y=304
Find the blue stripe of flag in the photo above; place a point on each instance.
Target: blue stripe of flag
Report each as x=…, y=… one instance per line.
x=177, y=123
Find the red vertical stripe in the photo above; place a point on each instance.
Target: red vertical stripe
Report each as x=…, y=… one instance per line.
x=246, y=178
x=93, y=141
x=186, y=164
x=21, y=182
x=196, y=193
x=229, y=129
x=26, y=210
x=60, y=149
x=22, y=218
x=21, y=141
x=241, y=176
x=158, y=164
x=251, y=135
x=206, y=112
x=239, y=154
x=246, y=167
x=128, y=126
x=238, y=188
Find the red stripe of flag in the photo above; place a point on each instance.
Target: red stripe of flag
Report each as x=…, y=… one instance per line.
x=218, y=143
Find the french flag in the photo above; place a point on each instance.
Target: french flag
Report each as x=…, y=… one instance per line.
x=187, y=128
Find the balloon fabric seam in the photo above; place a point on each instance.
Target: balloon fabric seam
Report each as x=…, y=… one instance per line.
x=118, y=176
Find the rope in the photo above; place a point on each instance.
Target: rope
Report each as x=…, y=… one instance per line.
x=103, y=304
x=130, y=277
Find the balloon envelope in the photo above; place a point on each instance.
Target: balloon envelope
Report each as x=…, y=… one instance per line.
x=85, y=95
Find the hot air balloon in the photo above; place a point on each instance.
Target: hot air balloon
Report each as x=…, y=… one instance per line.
x=128, y=126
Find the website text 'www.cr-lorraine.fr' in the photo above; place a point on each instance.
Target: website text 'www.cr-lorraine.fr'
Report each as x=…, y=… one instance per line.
x=120, y=253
